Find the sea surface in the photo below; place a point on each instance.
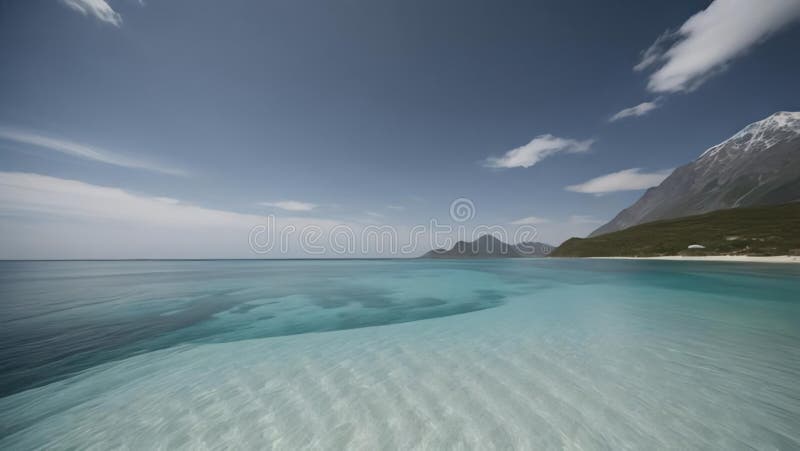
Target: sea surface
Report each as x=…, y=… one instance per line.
x=399, y=354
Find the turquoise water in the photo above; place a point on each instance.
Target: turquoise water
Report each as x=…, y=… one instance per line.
x=550, y=353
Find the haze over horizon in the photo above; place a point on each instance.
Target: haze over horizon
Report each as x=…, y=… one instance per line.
x=160, y=129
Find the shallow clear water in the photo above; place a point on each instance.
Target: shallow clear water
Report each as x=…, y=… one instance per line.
x=576, y=354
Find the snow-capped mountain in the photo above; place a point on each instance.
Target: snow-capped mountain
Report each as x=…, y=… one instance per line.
x=759, y=165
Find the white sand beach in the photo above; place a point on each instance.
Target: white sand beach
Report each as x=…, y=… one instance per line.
x=717, y=258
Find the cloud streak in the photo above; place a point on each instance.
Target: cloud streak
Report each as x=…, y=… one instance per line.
x=530, y=220
x=83, y=151
x=50, y=217
x=711, y=39
x=535, y=151
x=27, y=193
x=584, y=219
x=625, y=180
x=290, y=205
x=635, y=111
x=99, y=9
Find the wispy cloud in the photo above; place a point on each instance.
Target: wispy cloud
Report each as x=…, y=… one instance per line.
x=82, y=151
x=100, y=9
x=625, y=180
x=396, y=207
x=654, y=53
x=712, y=38
x=52, y=196
x=50, y=217
x=290, y=205
x=535, y=151
x=532, y=220
x=635, y=111
x=584, y=219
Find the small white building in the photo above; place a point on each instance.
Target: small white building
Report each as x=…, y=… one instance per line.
x=696, y=246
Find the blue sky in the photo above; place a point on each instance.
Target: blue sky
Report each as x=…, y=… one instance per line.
x=164, y=128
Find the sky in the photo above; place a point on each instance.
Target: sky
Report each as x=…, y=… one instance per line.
x=170, y=129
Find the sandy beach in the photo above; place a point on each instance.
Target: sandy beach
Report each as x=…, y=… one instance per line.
x=717, y=258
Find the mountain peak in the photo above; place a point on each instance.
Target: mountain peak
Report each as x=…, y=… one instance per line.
x=789, y=120
x=489, y=246
x=787, y=115
x=759, y=165
x=488, y=238
x=761, y=135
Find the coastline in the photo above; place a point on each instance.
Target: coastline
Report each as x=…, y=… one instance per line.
x=716, y=258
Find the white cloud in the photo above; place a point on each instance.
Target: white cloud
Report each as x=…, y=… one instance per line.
x=654, y=53
x=635, y=111
x=47, y=217
x=535, y=151
x=26, y=193
x=82, y=151
x=625, y=180
x=584, y=219
x=555, y=230
x=532, y=220
x=710, y=39
x=290, y=205
x=50, y=217
x=168, y=200
x=100, y=9
x=396, y=207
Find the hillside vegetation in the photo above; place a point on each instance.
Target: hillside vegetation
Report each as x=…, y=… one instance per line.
x=773, y=230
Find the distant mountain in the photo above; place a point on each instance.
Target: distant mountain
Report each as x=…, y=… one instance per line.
x=533, y=249
x=770, y=230
x=488, y=246
x=760, y=165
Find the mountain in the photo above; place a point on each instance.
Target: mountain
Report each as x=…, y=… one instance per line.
x=533, y=249
x=488, y=246
x=770, y=230
x=759, y=165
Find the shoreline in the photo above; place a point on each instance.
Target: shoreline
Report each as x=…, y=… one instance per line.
x=716, y=258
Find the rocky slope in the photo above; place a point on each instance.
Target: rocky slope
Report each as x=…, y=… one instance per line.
x=759, y=165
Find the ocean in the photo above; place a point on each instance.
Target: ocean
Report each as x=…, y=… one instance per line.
x=399, y=354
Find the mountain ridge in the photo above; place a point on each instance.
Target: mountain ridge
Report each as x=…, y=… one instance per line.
x=489, y=246
x=759, y=165
x=752, y=231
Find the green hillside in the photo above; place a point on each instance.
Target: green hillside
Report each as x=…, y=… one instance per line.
x=773, y=230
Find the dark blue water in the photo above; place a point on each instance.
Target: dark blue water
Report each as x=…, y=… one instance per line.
x=58, y=318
